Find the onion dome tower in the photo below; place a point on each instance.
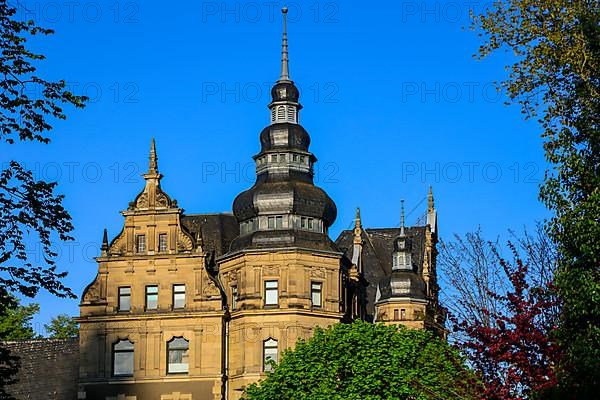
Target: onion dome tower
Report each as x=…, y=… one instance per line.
x=284, y=208
x=401, y=296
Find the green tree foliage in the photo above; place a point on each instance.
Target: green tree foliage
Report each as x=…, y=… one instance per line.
x=62, y=327
x=365, y=361
x=15, y=320
x=556, y=79
x=31, y=212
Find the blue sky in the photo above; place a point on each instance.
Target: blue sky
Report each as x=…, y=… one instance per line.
x=393, y=99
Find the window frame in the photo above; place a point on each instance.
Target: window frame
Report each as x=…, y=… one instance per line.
x=271, y=289
x=120, y=296
x=175, y=292
x=148, y=294
x=166, y=243
x=169, y=350
x=138, y=242
x=313, y=292
x=268, y=345
x=234, y=297
x=114, y=352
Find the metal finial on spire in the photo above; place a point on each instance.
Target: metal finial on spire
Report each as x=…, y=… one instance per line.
x=431, y=204
x=402, y=217
x=153, y=165
x=285, y=72
x=357, y=221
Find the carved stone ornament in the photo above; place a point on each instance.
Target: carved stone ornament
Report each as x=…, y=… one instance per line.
x=142, y=201
x=92, y=294
x=208, y=287
x=162, y=200
x=119, y=245
x=184, y=241
x=271, y=270
x=318, y=272
x=231, y=278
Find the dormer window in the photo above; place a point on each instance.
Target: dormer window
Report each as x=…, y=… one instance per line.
x=402, y=260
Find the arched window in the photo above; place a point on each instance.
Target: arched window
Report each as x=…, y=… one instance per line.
x=292, y=114
x=280, y=113
x=123, y=358
x=178, y=356
x=269, y=354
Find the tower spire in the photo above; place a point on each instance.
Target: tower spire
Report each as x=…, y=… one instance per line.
x=357, y=221
x=153, y=164
x=402, y=217
x=104, y=247
x=285, y=69
x=357, y=243
x=430, y=202
x=431, y=211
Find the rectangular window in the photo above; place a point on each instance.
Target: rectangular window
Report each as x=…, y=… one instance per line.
x=303, y=222
x=151, y=297
x=310, y=224
x=271, y=222
x=278, y=222
x=234, y=297
x=271, y=293
x=282, y=158
x=316, y=289
x=273, y=157
x=295, y=158
x=140, y=244
x=178, y=296
x=402, y=314
x=162, y=243
x=125, y=298
x=396, y=315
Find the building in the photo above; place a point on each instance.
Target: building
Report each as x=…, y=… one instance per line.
x=194, y=306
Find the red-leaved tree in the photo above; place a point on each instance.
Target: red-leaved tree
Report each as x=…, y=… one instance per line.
x=508, y=339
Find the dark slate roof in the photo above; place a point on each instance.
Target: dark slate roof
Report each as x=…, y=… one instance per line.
x=218, y=230
x=284, y=238
x=377, y=254
x=49, y=369
x=402, y=284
